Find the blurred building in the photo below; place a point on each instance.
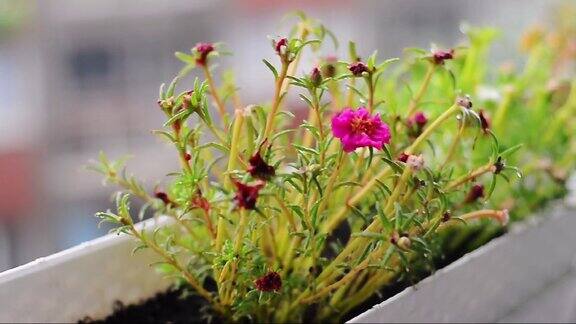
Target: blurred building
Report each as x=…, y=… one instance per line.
x=77, y=77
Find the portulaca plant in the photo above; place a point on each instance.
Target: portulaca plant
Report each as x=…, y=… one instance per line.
x=279, y=219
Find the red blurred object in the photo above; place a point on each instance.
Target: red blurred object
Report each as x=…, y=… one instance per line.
x=16, y=189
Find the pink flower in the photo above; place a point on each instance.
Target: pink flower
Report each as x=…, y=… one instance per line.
x=357, y=128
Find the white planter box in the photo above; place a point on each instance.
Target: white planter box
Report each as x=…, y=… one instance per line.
x=504, y=280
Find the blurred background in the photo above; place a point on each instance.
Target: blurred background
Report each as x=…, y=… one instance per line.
x=77, y=77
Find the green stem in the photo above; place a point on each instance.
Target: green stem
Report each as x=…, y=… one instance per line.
x=276, y=101
x=423, y=87
x=214, y=92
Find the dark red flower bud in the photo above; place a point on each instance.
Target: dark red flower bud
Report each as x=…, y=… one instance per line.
x=439, y=56
x=187, y=157
x=475, y=193
x=446, y=216
x=316, y=77
x=247, y=195
x=499, y=165
x=403, y=157
x=203, y=49
x=358, y=68
x=280, y=46
x=259, y=168
x=163, y=196
x=484, y=121
x=269, y=282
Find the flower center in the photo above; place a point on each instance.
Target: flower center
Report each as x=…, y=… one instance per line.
x=361, y=125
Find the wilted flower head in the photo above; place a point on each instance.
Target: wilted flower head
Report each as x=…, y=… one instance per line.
x=269, y=282
x=159, y=194
x=403, y=157
x=475, y=193
x=203, y=49
x=198, y=201
x=464, y=102
x=439, y=56
x=357, y=128
x=484, y=121
x=358, y=68
x=259, y=168
x=416, y=162
x=247, y=195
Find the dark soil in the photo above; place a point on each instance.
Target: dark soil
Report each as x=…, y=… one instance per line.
x=172, y=306
x=175, y=306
